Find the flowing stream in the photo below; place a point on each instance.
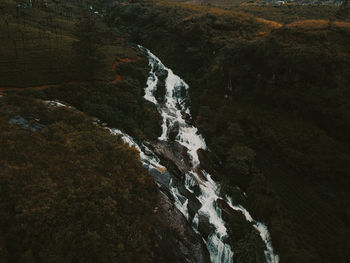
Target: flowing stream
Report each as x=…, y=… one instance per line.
x=199, y=186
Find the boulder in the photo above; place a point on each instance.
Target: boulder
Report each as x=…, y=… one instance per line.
x=177, y=242
x=204, y=226
x=161, y=87
x=236, y=222
x=193, y=204
x=173, y=154
x=174, y=131
x=227, y=211
x=200, y=175
x=188, y=118
x=162, y=178
x=236, y=194
x=28, y=124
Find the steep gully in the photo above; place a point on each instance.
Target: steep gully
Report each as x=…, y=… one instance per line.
x=189, y=186
x=192, y=189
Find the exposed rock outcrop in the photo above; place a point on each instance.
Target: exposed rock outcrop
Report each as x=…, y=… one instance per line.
x=174, y=131
x=174, y=154
x=180, y=243
x=236, y=222
x=204, y=226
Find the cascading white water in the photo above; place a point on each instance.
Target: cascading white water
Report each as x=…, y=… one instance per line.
x=261, y=228
x=149, y=161
x=172, y=111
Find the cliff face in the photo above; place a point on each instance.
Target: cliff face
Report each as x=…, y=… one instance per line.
x=271, y=102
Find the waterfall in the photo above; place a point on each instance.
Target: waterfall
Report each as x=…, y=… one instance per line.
x=173, y=111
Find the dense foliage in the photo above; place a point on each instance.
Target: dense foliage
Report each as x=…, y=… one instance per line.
x=119, y=104
x=70, y=191
x=76, y=58
x=272, y=101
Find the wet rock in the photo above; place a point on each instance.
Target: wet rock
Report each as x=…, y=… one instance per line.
x=176, y=239
x=197, y=190
x=200, y=175
x=193, y=204
x=32, y=125
x=148, y=144
x=204, y=226
x=147, y=151
x=161, y=177
x=236, y=222
x=188, y=119
x=161, y=88
x=237, y=195
x=174, y=131
x=174, y=154
x=227, y=211
x=193, y=208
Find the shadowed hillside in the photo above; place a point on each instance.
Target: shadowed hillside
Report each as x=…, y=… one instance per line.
x=269, y=91
x=272, y=101
x=70, y=191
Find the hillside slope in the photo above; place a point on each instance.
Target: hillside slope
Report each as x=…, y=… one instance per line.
x=272, y=102
x=71, y=191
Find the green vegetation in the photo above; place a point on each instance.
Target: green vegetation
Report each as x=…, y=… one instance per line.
x=73, y=56
x=120, y=105
x=37, y=46
x=272, y=100
x=289, y=14
x=270, y=96
x=70, y=191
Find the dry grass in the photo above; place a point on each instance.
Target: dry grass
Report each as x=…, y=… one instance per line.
x=268, y=24
x=345, y=25
x=196, y=9
x=39, y=51
x=317, y=24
